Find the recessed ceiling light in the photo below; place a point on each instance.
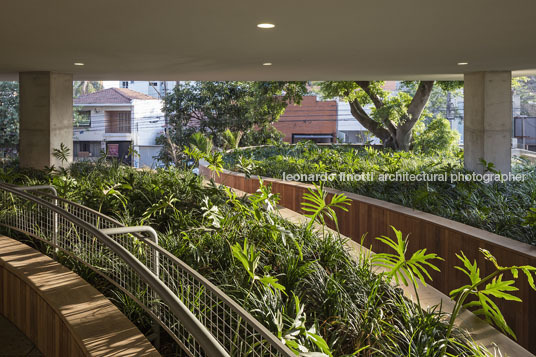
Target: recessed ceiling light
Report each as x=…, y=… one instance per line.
x=78, y=64
x=267, y=64
x=463, y=63
x=266, y=26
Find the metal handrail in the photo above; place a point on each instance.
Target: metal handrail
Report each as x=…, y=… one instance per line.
x=219, y=315
x=138, y=229
x=55, y=194
x=210, y=345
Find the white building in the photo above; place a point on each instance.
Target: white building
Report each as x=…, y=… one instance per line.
x=156, y=89
x=117, y=121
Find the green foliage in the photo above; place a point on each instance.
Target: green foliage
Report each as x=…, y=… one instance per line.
x=62, y=153
x=231, y=140
x=214, y=107
x=483, y=289
x=305, y=288
x=9, y=115
x=265, y=135
x=317, y=208
x=500, y=207
x=400, y=268
x=202, y=143
x=86, y=87
x=393, y=116
x=437, y=137
x=80, y=117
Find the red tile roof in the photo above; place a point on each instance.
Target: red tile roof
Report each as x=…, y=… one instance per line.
x=112, y=96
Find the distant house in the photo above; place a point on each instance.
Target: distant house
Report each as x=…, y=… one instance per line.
x=117, y=121
x=156, y=89
x=314, y=120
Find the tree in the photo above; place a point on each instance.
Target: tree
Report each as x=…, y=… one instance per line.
x=237, y=106
x=214, y=107
x=265, y=135
x=9, y=115
x=437, y=137
x=393, y=116
x=86, y=87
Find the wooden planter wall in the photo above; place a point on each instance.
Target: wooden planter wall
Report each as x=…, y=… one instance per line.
x=438, y=235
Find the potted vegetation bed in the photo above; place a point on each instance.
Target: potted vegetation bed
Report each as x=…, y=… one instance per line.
x=372, y=214
x=300, y=282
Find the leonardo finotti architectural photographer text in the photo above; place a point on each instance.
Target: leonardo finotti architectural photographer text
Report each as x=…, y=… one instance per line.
x=405, y=177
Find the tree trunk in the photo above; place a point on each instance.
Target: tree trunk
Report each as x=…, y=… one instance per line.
x=396, y=137
x=403, y=139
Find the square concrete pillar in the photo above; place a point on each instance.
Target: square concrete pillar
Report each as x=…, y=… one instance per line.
x=46, y=117
x=488, y=120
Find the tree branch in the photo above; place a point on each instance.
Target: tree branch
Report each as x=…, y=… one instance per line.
x=362, y=117
x=365, y=85
x=378, y=103
x=418, y=103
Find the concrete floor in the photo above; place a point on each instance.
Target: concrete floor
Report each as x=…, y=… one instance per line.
x=13, y=342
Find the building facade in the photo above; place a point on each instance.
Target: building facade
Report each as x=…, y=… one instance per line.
x=155, y=89
x=120, y=122
x=313, y=119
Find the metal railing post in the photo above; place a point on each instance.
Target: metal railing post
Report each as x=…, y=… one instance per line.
x=139, y=229
x=54, y=215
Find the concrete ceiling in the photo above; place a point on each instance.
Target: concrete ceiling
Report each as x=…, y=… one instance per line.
x=312, y=40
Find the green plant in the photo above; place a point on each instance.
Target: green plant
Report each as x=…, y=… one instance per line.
x=249, y=258
x=499, y=207
x=303, y=286
x=404, y=270
x=317, y=208
x=484, y=288
x=231, y=140
x=62, y=154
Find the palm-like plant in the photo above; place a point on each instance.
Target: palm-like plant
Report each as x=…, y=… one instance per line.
x=317, y=208
x=401, y=269
x=231, y=140
x=62, y=153
x=86, y=87
x=484, y=288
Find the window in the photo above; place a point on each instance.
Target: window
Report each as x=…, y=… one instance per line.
x=117, y=122
x=82, y=118
x=86, y=148
x=124, y=84
x=317, y=138
x=153, y=84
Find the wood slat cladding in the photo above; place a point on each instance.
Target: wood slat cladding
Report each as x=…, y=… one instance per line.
x=58, y=311
x=439, y=235
x=312, y=116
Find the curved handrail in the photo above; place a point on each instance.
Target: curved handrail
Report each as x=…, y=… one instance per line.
x=221, y=317
x=184, y=315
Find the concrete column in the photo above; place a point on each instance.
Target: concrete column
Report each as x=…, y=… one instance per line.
x=46, y=117
x=488, y=120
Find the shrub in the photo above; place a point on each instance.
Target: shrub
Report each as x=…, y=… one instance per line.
x=436, y=137
x=302, y=284
x=499, y=207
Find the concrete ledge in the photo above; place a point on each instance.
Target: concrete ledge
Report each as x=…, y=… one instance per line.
x=60, y=312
